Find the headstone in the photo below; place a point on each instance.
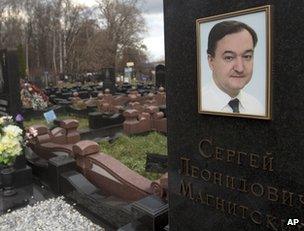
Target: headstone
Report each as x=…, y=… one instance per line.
x=9, y=83
x=231, y=173
x=156, y=163
x=150, y=214
x=99, y=119
x=109, y=79
x=160, y=75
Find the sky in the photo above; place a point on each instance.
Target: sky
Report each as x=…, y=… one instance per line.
x=154, y=37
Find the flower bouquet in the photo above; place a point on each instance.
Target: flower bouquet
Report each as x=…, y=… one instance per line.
x=11, y=140
x=38, y=103
x=11, y=146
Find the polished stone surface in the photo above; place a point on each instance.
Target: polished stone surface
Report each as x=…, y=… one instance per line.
x=151, y=212
x=101, y=120
x=269, y=206
x=25, y=195
x=22, y=177
x=156, y=163
x=10, y=102
x=57, y=166
x=110, y=211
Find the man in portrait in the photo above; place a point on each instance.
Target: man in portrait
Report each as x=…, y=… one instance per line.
x=230, y=54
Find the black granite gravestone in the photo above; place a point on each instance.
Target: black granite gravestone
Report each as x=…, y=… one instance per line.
x=9, y=83
x=149, y=214
x=10, y=105
x=109, y=79
x=151, y=211
x=156, y=163
x=99, y=119
x=58, y=165
x=230, y=173
x=160, y=75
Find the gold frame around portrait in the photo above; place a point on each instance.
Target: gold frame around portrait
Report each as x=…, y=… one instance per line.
x=268, y=34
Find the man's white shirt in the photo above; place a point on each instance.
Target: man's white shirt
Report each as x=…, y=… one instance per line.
x=214, y=99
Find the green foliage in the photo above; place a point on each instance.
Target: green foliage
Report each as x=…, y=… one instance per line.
x=132, y=151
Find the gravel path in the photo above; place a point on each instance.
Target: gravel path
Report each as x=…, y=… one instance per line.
x=53, y=214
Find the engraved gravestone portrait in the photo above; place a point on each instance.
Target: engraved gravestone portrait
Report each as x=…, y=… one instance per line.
x=227, y=171
x=233, y=60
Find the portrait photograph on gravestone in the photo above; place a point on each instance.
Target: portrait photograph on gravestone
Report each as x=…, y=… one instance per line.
x=234, y=61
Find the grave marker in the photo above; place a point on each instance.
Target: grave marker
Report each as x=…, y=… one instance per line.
x=231, y=173
x=160, y=75
x=9, y=83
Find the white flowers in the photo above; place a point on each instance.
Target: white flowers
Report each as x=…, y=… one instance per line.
x=38, y=103
x=5, y=119
x=12, y=131
x=11, y=139
x=10, y=147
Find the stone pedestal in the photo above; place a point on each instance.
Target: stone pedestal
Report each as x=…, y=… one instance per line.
x=22, y=177
x=57, y=166
x=149, y=214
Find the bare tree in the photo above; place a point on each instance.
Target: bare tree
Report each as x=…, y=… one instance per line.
x=73, y=19
x=60, y=37
x=10, y=22
x=122, y=23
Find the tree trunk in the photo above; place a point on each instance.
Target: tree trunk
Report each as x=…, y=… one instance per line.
x=54, y=52
x=26, y=56
x=60, y=53
x=64, y=53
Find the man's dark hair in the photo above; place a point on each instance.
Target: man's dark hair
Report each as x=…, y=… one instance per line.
x=220, y=30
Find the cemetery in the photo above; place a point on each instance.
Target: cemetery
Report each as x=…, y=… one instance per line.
x=94, y=136
x=60, y=159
